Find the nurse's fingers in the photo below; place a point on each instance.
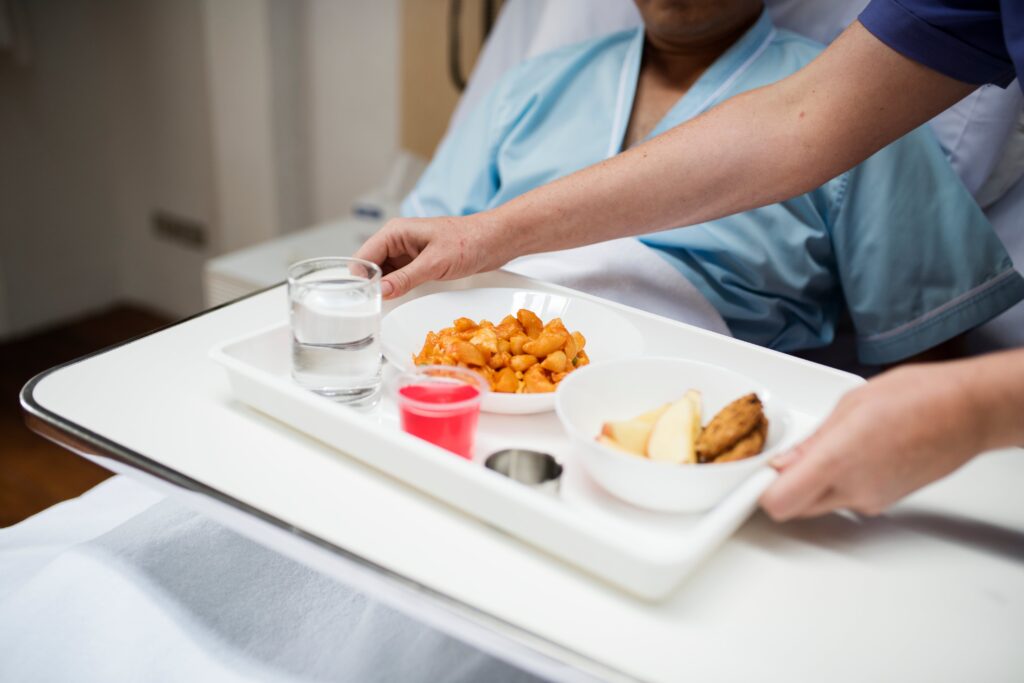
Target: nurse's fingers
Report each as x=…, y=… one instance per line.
x=802, y=481
x=831, y=501
x=374, y=249
x=421, y=269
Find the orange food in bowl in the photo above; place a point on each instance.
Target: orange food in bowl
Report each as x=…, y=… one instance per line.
x=519, y=355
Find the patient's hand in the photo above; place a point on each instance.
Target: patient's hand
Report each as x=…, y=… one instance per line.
x=412, y=251
x=900, y=431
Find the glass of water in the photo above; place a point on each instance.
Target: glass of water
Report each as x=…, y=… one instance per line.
x=335, y=319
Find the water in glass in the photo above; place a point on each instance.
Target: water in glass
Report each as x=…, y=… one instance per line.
x=335, y=328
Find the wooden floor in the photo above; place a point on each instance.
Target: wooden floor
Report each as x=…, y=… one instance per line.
x=34, y=473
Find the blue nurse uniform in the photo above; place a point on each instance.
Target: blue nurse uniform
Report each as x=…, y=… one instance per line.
x=975, y=41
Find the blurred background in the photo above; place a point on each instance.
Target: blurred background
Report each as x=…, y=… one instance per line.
x=161, y=156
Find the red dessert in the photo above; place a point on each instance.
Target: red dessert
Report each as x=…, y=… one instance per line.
x=443, y=413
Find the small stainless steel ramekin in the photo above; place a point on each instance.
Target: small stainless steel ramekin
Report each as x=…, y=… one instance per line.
x=537, y=470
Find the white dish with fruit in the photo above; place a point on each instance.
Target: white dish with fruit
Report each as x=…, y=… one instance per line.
x=636, y=427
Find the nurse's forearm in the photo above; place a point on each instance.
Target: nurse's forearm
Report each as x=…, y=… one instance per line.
x=755, y=149
x=900, y=431
x=995, y=384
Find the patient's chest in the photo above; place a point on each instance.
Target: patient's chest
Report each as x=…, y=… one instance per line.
x=547, y=144
x=571, y=120
x=654, y=98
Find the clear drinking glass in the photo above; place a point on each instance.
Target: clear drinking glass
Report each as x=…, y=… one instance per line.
x=335, y=319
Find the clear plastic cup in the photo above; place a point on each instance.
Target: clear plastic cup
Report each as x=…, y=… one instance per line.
x=441, y=404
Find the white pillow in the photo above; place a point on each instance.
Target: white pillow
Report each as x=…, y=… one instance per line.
x=820, y=20
x=527, y=28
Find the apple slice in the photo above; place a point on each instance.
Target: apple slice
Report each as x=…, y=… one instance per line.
x=674, y=434
x=611, y=443
x=629, y=435
x=696, y=400
x=651, y=416
x=632, y=434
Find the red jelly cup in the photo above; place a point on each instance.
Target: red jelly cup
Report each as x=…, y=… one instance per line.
x=441, y=404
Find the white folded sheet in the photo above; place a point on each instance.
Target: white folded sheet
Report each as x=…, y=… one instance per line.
x=626, y=271
x=122, y=584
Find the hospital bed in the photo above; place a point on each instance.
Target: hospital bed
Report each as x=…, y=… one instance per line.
x=116, y=555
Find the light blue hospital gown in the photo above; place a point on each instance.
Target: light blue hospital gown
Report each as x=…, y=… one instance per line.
x=897, y=241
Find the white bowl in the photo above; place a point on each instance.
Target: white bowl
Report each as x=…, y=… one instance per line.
x=621, y=389
x=609, y=335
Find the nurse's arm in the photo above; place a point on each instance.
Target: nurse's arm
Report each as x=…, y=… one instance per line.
x=900, y=431
x=755, y=149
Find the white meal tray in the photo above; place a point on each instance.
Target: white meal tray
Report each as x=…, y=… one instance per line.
x=644, y=553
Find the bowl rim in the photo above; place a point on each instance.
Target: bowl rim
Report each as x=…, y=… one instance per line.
x=643, y=461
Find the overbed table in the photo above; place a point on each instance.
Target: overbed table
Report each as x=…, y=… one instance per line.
x=933, y=590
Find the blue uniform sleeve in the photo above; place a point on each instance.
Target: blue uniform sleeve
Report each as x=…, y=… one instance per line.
x=963, y=39
x=918, y=261
x=462, y=177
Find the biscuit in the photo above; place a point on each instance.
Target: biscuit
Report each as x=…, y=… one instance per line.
x=749, y=445
x=734, y=422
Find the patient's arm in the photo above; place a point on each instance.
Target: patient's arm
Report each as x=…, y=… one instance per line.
x=755, y=149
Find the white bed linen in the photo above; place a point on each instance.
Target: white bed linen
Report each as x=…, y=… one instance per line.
x=123, y=584
x=626, y=271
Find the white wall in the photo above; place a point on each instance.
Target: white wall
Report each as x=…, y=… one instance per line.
x=236, y=34
x=56, y=233
x=353, y=55
x=163, y=149
x=107, y=123
x=255, y=117
x=289, y=102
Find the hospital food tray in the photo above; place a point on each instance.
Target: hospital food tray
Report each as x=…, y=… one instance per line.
x=644, y=553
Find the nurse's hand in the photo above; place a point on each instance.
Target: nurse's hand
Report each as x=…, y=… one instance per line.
x=412, y=251
x=900, y=431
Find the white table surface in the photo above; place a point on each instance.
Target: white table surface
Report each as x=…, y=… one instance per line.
x=934, y=590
